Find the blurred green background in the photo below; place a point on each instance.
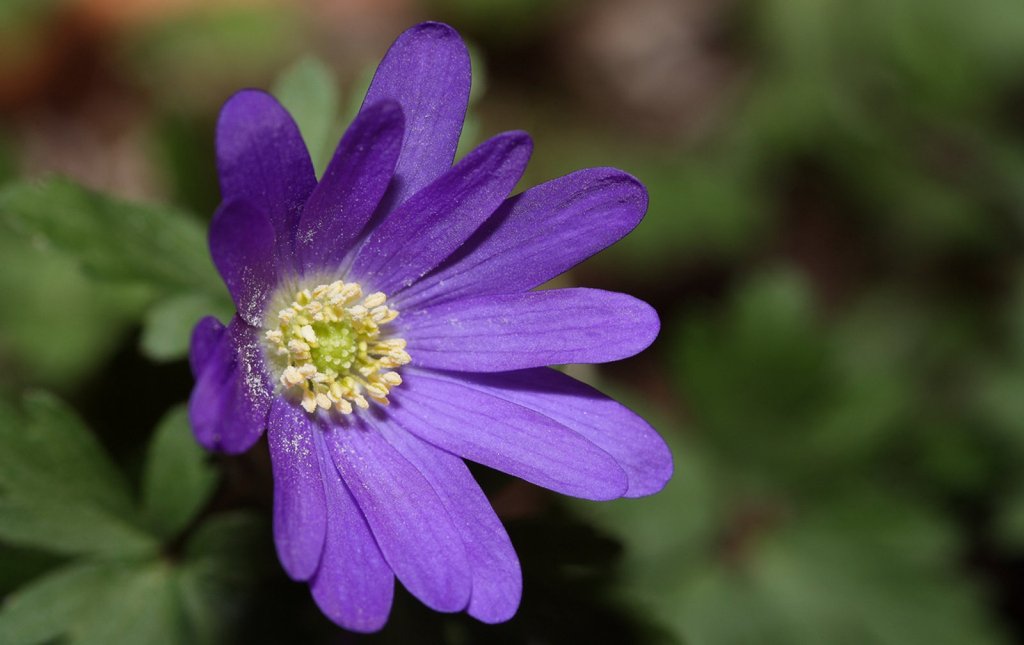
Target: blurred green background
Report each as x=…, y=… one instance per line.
x=834, y=244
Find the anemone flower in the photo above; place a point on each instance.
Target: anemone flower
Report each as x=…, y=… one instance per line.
x=387, y=328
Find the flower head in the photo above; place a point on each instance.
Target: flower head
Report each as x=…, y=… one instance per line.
x=387, y=329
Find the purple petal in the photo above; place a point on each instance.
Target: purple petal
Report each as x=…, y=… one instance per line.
x=205, y=337
x=427, y=71
x=410, y=523
x=497, y=579
x=354, y=584
x=434, y=222
x=232, y=396
x=242, y=246
x=514, y=331
x=538, y=235
x=489, y=430
x=630, y=440
x=300, y=509
x=261, y=158
x=352, y=186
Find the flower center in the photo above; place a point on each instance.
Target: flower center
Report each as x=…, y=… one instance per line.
x=329, y=345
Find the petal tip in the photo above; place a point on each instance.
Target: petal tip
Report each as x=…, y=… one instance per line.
x=514, y=146
x=654, y=478
x=516, y=139
x=247, y=94
x=630, y=191
x=363, y=624
x=639, y=192
x=489, y=616
x=432, y=29
x=241, y=105
x=654, y=323
x=646, y=322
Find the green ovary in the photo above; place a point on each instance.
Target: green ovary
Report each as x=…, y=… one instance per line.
x=339, y=346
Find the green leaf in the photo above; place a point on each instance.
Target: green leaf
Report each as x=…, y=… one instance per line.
x=47, y=454
x=49, y=605
x=657, y=528
x=19, y=565
x=767, y=351
x=119, y=592
x=223, y=560
x=200, y=599
x=310, y=93
x=1010, y=519
x=887, y=565
x=167, y=326
x=861, y=568
x=71, y=529
x=722, y=216
x=58, y=490
x=40, y=287
x=114, y=240
x=142, y=608
x=232, y=536
x=177, y=480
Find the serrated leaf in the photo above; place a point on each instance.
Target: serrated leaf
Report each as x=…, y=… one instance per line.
x=49, y=605
x=167, y=326
x=309, y=91
x=115, y=240
x=47, y=454
x=177, y=480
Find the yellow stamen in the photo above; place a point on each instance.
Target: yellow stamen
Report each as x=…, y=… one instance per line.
x=328, y=342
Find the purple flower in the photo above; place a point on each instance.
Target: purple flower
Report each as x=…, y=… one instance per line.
x=387, y=329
